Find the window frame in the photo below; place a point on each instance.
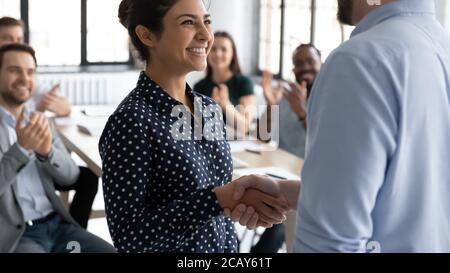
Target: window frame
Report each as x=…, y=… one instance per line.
x=283, y=7
x=24, y=16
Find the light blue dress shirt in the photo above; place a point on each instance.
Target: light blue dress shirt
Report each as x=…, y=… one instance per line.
x=377, y=170
x=31, y=194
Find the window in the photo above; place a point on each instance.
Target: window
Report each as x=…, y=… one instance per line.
x=56, y=38
x=285, y=24
x=107, y=39
x=446, y=20
x=10, y=8
x=297, y=30
x=270, y=35
x=328, y=31
x=72, y=32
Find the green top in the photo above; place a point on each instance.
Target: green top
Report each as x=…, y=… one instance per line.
x=238, y=86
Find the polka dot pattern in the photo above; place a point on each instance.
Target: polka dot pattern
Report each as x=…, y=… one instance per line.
x=157, y=188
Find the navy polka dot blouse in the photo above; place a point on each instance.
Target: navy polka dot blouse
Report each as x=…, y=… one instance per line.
x=158, y=187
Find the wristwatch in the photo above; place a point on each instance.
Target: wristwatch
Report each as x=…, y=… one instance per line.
x=42, y=158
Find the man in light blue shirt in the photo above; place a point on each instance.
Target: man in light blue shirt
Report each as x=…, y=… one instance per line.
x=376, y=174
x=32, y=161
x=30, y=192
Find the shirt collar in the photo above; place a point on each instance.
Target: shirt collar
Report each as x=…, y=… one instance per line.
x=400, y=7
x=9, y=118
x=159, y=97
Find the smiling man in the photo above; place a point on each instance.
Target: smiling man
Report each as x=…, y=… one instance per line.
x=32, y=160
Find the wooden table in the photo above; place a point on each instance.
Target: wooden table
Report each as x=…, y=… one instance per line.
x=85, y=146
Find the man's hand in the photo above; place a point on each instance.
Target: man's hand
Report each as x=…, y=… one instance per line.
x=45, y=146
x=273, y=96
x=297, y=99
x=263, y=183
x=54, y=103
x=288, y=189
x=58, y=105
x=269, y=210
x=33, y=134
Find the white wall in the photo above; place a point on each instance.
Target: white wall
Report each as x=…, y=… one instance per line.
x=241, y=19
x=443, y=12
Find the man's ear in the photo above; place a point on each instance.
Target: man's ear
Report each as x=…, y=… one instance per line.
x=144, y=34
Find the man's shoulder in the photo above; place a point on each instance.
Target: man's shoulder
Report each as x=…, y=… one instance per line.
x=392, y=38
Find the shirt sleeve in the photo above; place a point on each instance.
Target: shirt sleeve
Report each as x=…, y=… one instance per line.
x=127, y=174
x=11, y=163
x=60, y=166
x=352, y=135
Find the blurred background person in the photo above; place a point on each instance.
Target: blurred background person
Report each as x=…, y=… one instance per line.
x=86, y=187
x=307, y=62
x=225, y=83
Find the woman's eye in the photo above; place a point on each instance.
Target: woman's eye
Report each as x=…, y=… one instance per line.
x=208, y=22
x=188, y=22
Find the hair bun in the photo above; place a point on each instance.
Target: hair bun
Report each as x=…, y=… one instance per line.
x=124, y=12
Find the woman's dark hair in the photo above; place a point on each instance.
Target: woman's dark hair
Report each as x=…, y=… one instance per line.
x=234, y=65
x=148, y=13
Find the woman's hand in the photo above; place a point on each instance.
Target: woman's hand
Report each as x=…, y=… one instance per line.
x=221, y=95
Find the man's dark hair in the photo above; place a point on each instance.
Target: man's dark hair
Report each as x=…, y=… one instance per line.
x=11, y=22
x=308, y=46
x=16, y=47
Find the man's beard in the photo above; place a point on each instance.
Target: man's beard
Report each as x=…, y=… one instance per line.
x=11, y=99
x=345, y=11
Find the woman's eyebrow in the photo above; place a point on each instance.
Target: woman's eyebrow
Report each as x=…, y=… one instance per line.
x=193, y=16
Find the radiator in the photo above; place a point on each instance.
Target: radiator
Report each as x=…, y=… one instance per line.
x=82, y=89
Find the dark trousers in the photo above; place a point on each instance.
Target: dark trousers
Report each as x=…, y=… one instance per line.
x=271, y=240
x=57, y=236
x=85, y=188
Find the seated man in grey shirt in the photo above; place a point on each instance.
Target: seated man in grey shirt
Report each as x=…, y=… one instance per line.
x=291, y=98
x=32, y=161
x=291, y=124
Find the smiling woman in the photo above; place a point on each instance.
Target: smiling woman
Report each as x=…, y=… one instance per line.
x=163, y=194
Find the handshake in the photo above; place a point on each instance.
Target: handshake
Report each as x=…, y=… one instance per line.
x=257, y=200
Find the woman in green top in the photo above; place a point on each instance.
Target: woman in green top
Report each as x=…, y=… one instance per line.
x=225, y=83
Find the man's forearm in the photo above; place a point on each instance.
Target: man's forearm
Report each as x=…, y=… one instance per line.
x=291, y=191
